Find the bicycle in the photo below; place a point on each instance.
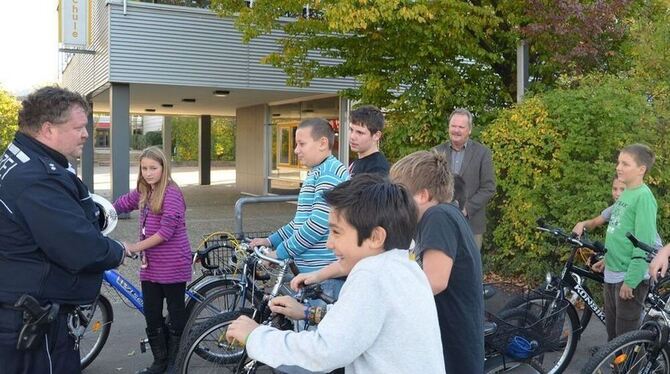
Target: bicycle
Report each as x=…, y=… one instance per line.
x=245, y=287
x=90, y=324
x=570, y=285
x=646, y=350
x=206, y=348
x=515, y=336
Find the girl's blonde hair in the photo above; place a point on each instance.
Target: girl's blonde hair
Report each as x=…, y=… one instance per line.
x=144, y=188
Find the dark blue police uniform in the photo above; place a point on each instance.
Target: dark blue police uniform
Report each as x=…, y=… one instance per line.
x=50, y=248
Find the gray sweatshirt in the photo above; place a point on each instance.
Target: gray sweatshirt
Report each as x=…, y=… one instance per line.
x=385, y=321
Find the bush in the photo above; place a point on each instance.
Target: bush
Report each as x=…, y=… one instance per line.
x=137, y=142
x=185, y=138
x=152, y=138
x=555, y=157
x=223, y=139
x=9, y=116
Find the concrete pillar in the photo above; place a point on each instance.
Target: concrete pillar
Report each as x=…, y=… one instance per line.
x=345, y=108
x=167, y=137
x=88, y=153
x=205, y=149
x=521, y=69
x=250, y=126
x=267, y=149
x=119, y=103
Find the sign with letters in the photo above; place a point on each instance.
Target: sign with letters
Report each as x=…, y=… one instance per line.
x=74, y=23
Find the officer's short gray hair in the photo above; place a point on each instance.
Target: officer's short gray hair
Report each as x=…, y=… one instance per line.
x=48, y=104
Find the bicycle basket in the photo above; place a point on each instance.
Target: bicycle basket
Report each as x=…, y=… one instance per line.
x=265, y=274
x=219, y=253
x=529, y=323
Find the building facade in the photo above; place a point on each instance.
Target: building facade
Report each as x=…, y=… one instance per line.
x=170, y=60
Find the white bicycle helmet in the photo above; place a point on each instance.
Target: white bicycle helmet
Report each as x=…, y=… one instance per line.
x=107, y=217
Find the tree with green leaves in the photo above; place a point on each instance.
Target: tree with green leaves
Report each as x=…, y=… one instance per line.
x=9, y=116
x=421, y=59
x=416, y=59
x=555, y=153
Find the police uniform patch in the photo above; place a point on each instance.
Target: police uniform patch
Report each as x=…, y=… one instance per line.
x=50, y=165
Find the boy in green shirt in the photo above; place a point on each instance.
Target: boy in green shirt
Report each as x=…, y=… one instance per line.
x=625, y=267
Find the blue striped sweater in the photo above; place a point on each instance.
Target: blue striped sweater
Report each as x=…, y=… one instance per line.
x=304, y=238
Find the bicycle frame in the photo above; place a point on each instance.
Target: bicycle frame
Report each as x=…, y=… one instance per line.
x=131, y=293
x=127, y=289
x=572, y=277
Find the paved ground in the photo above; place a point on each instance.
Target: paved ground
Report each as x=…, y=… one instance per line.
x=210, y=209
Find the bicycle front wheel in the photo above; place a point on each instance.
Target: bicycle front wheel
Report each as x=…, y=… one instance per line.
x=630, y=353
x=100, y=317
x=500, y=365
x=206, y=349
x=540, y=306
x=217, y=301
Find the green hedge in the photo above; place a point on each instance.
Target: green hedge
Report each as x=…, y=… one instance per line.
x=185, y=139
x=555, y=157
x=9, y=115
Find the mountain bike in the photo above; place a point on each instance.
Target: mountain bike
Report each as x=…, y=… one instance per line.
x=644, y=351
x=570, y=284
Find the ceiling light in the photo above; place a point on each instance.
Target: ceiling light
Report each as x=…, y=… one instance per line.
x=149, y=110
x=188, y=100
x=221, y=93
x=167, y=105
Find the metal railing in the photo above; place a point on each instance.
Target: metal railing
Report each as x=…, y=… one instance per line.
x=239, y=204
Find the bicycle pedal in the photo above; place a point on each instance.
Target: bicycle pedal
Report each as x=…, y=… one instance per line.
x=143, y=345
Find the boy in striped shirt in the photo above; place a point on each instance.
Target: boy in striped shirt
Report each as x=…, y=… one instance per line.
x=304, y=238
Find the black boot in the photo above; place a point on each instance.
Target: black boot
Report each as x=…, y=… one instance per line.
x=158, y=343
x=173, y=348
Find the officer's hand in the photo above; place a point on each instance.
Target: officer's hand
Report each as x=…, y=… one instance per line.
x=130, y=249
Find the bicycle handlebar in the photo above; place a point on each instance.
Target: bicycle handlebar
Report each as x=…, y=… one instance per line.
x=260, y=252
x=643, y=246
x=571, y=238
x=314, y=291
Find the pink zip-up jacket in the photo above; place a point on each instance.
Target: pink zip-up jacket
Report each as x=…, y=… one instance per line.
x=170, y=261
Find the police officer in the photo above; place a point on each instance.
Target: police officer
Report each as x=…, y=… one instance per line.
x=51, y=248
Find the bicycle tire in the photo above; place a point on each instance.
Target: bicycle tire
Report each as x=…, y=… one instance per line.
x=96, y=332
x=555, y=364
x=198, y=353
x=202, y=292
x=601, y=362
x=500, y=365
x=584, y=317
x=217, y=301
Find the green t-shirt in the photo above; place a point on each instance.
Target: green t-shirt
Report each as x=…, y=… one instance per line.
x=634, y=212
